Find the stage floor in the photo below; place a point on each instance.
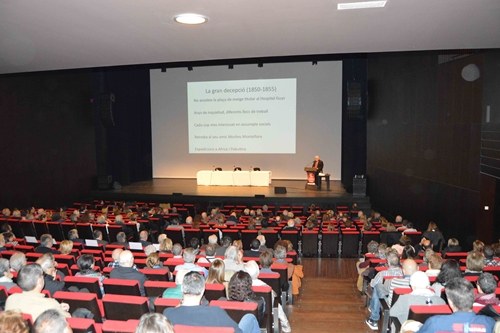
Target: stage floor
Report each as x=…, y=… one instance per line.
x=175, y=189
x=294, y=188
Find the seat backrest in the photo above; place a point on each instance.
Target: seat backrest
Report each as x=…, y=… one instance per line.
x=82, y=325
x=236, y=310
x=91, y=283
x=156, y=288
x=156, y=274
x=81, y=300
x=422, y=312
x=202, y=329
x=122, y=307
x=214, y=291
x=274, y=281
x=120, y=326
x=162, y=303
x=267, y=293
x=121, y=287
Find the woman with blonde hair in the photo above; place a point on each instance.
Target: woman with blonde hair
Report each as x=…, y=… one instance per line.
x=166, y=245
x=66, y=246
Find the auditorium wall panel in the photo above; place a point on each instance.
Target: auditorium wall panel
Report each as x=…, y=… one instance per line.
x=47, y=138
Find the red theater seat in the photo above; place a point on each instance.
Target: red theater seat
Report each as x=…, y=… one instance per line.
x=120, y=326
x=77, y=300
x=202, y=329
x=156, y=288
x=121, y=287
x=121, y=307
x=236, y=310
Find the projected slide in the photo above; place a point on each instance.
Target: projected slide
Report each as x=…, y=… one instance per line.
x=242, y=116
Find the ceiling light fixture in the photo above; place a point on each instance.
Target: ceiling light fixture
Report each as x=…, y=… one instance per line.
x=230, y=66
x=260, y=65
x=190, y=68
x=361, y=5
x=190, y=18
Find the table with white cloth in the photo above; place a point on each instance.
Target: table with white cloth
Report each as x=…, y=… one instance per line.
x=233, y=178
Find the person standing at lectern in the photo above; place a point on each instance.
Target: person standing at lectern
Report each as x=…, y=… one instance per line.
x=318, y=163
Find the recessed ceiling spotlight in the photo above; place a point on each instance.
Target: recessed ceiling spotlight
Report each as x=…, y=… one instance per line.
x=190, y=18
x=361, y=5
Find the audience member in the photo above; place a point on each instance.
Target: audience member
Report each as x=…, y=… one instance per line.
x=121, y=239
x=489, y=257
x=225, y=243
x=478, y=246
x=177, y=250
x=154, y=323
x=209, y=257
x=115, y=255
x=17, y=261
x=421, y=294
x=189, y=257
x=51, y=321
x=86, y=265
x=240, y=289
x=434, y=265
x=144, y=238
x=266, y=260
x=434, y=235
x=46, y=243
x=6, y=275
x=233, y=261
x=453, y=246
x=254, y=251
x=13, y=322
x=126, y=270
x=98, y=237
x=449, y=270
x=474, y=263
x=486, y=287
x=166, y=245
x=460, y=295
x=190, y=312
x=54, y=279
x=66, y=246
x=73, y=236
x=31, y=300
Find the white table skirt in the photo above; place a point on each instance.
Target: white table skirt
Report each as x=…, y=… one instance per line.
x=233, y=178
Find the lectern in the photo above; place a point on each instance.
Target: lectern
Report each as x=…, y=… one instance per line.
x=311, y=176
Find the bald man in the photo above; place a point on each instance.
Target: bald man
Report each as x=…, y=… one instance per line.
x=126, y=270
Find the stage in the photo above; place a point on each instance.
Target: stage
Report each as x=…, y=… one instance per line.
x=187, y=191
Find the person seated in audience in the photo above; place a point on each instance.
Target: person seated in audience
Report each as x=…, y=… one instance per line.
x=51, y=321
x=474, y=263
x=489, y=257
x=154, y=323
x=166, y=245
x=266, y=260
x=161, y=237
x=126, y=270
x=66, y=246
x=144, y=238
x=486, y=288
x=409, y=267
x=6, y=212
x=46, y=243
x=13, y=322
x=409, y=228
x=453, y=246
x=54, y=279
x=232, y=219
x=449, y=270
x=194, y=243
x=423, y=245
x=216, y=272
x=121, y=239
x=290, y=225
x=460, y=295
x=17, y=261
x=153, y=261
x=239, y=245
x=435, y=236
x=189, y=257
x=403, y=241
x=434, y=263
x=263, y=247
x=86, y=265
x=115, y=255
x=421, y=294
x=2, y=243
x=10, y=238
x=177, y=250
x=280, y=256
x=190, y=312
x=378, y=289
x=409, y=252
x=254, y=249
x=73, y=236
x=233, y=261
x=31, y=300
x=240, y=289
x=6, y=275
x=209, y=254
x=212, y=239
x=224, y=244
x=149, y=249
x=98, y=237
x=478, y=246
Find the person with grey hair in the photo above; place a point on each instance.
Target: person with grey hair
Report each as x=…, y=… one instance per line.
x=121, y=239
x=126, y=270
x=190, y=312
x=280, y=256
x=486, y=287
x=46, y=243
x=189, y=257
x=54, y=279
x=154, y=323
x=5, y=274
x=209, y=254
x=31, y=300
x=232, y=261
x=17, y=261
x=51, y=321
x=460, y=295
x=177, y=250
x=225, y=243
